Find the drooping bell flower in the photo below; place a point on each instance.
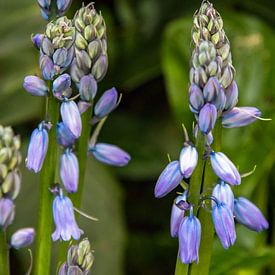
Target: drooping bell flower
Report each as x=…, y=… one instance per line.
x=231, y=94
x=69, y=171
x=106, y=104
x=207, y=118
x=224, y=168
x=38, y=147
x=169, y=179
x=240, y=116
x=6, y=212
x=110, y=154
x=189, y=239
x=196, y=100
x=64, y=219
x=47, y=67
x=188, y=160
x=248, y=214
x=224, y=224
x=223, y=193
x=35, y=86
x=60, y=85
x=64, y=136
x=87, y=87
x=22, y=238
x=37, y=40
x=71, y=117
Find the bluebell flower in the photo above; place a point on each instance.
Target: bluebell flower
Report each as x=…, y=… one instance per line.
x=22, y=238
x=64, y=219
x=47, y=68
x=64, y=136
x=62, y=6
x=188, y=160
x=69, y=171
x=87, y=87
x=169, y=179
x=61, y=84
x=106, y=104
x=6, y=212
x=35, y=86
x=240, y=116
x=110, y=154
x=196, y=100
x=231, y=94
x=177, y=215
x=248, y=214
x=223, y=193
x=207, y=118
x=224, y=168
x=224, y=224
x=38, y=147
x=71, y=117
x=189, y=239
x=37, y=40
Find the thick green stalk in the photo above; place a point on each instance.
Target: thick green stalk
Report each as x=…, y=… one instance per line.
x=202, y=181
x=47, y=177
x=4, y=254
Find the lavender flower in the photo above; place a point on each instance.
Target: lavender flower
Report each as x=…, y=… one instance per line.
x=188, y=160
x=47, y=68
x=87, y=87
x=169, y=179
x=22, y=238
x=69, y=171
x=224, y=168
x=110, y=154
x=38, y=147
x=240, y=116
x=189, y=239
x=207, y=118
x=63, y=214
x=35, y=86
x=60, y=85
x=106, y=104
x=63, y=6
x=71, y=117
x=6, y=212
x=249, y=215
x=231, y=96
x=223, y=193
x=224, y=224
x=196, y=100
x=37, y=40
x=64, y=136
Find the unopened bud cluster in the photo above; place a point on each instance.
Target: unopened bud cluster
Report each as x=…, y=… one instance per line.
x=213, y=96
x=73, y=53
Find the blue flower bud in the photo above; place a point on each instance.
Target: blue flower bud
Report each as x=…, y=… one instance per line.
x=64, y=219
x=169, y=179
x=87, y=87
x=110, y=154
x=60, y=57
x=189, y=239
x=63, y=6
x=61, y=84
x=223, y=193
x=188, y=160
x=106, y=104
x=224, y=168
x=240, y=116
x=71, y=117
x=35, y=86
x=47, y=47
x=224, y=224
x=47, y=67
x=213, y=93
x=69, y=171
x=177, y=215
x=6, y=212
x=196, y=100
x=207, y=118
x=37, y=40
x=64, y=136
x=22, y=238
x=37, y=150
x=248, y=214
x=231, y=96
x=100, y=67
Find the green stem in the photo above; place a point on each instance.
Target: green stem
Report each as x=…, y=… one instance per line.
x=202, y=182
x=4, y=254
x=47, y=177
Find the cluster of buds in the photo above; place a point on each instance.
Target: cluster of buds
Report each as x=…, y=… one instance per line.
x=10, y=184
x=80, y=259
x=72, y=51
x=52, y=8
x=213, y=94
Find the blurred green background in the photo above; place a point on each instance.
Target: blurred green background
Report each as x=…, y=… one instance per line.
x=149, y=51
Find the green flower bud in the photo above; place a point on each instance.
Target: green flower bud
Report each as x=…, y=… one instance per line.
x=11, y=185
